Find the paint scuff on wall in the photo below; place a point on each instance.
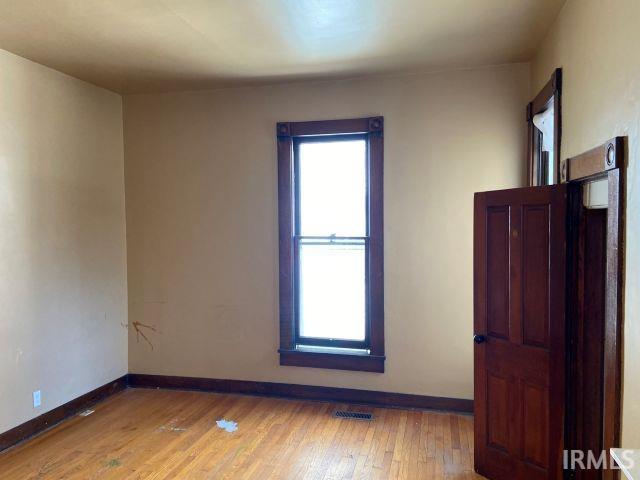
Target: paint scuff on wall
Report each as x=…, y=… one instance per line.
x=139, y=327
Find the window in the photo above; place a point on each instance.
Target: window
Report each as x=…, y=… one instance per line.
x=543, y=119
x=331, y=252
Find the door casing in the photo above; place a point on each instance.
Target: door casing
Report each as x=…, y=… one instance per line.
x=605, y=162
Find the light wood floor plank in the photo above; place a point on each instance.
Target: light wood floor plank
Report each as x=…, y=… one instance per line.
x=160, y=435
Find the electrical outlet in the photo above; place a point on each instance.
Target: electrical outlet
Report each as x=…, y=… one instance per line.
x=37, y=400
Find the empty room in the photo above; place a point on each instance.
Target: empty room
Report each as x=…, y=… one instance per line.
x=320, y=239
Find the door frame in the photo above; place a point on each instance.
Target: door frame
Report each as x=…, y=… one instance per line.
x=608, y=161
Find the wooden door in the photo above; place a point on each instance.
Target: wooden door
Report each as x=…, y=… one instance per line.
x=519, y=322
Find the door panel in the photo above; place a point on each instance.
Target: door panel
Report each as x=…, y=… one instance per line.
x=519, y=288
x=498, y=271
x=498, y=414
x=535, y=401
x=535, y=275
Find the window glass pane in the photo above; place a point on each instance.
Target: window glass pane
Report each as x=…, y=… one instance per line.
x=332, y=291
x=332, y=182
x=544, y=168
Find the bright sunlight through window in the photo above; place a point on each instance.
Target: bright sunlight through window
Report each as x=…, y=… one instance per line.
x=331, y=239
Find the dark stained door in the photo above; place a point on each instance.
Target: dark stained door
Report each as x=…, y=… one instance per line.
x=519, y=322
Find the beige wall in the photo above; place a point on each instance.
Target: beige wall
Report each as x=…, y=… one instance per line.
x=596, y=44
x=202, y=221
x=62, y=239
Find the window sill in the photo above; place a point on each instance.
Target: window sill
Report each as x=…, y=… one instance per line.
x=355, y=360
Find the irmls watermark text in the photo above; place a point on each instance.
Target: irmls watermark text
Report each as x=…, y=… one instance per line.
x=590, y=460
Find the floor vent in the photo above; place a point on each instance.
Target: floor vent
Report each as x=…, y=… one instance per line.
x=353, y=415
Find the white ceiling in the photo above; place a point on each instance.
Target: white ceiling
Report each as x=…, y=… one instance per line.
x=160, y=45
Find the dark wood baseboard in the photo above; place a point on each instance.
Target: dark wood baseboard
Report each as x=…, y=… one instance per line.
x=50, y=418
x=282, y=390
x=303, y=392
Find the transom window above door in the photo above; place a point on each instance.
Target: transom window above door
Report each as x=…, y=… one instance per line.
x=330, y=211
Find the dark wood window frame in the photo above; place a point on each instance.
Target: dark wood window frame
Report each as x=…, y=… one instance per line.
x=372, y=358
x=551, y=92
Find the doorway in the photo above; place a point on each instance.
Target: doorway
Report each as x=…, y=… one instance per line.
x=595, y=304
x=548, y=284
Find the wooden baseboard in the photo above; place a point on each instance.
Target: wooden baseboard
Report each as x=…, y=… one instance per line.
x=50, y=418
x=283, y=390
x=303, y=392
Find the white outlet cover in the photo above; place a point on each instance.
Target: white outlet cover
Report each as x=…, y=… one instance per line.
x=37, y=400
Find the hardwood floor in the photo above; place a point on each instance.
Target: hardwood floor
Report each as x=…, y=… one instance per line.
x=162, y=434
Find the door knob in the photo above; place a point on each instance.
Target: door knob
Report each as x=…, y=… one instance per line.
x=479, y=338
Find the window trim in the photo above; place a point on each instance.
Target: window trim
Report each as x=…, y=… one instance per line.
x=551, y=92
x=370, y=128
